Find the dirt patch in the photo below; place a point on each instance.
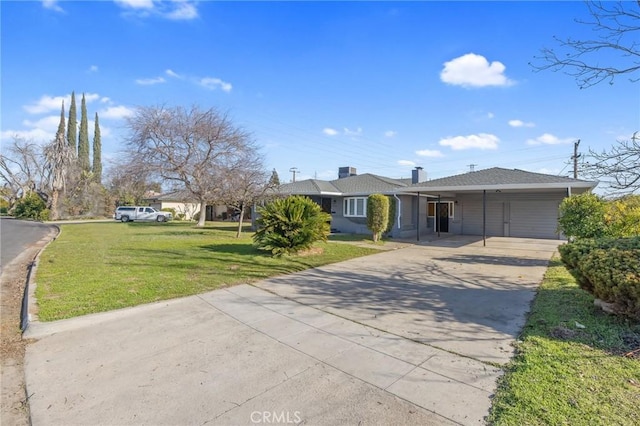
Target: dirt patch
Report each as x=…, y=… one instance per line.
x=15, y=408
x=310, y=252
x=563, y=333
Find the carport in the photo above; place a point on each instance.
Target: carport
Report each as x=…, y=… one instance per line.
x=496, y=203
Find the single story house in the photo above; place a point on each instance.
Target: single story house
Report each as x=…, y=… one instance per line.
x=490, y=202
x=182, y=202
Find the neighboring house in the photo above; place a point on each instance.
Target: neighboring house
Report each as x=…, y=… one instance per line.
x=180, y=201
x=183, y=203
x=491, y=202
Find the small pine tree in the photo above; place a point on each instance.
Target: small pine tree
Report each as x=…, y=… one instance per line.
x=377, y=214
x=274, y=180
x=83, y=141
x=72, y=125
x=97, y=153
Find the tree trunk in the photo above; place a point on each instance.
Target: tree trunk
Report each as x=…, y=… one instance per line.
x=54, y=205
x=240, y=221
x=203, y=214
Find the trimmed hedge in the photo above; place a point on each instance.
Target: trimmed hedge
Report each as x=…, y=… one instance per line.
x=609, y=269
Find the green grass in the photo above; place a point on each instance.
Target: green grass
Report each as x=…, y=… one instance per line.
x=98, y=267
x=564, y=374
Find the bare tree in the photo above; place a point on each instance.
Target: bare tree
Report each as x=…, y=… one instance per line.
x=245, y=184
x=23, y=169
x=616, y=25
x=129, y=183
x=193, y=147
x=60, y=158
x=620, y=166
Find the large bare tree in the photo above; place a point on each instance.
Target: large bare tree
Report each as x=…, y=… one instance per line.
x=193, y=147
x=619, y=166
x=613, y=50
x=23, y=169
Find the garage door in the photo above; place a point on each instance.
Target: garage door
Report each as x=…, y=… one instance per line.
x=472, y=218
x=534, y=219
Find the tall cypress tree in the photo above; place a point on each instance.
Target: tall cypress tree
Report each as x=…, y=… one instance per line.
x=83, y=140
x=97, y=153
x=61, y=125
x=72, y=126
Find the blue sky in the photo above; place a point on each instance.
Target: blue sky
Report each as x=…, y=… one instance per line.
x=382, y=87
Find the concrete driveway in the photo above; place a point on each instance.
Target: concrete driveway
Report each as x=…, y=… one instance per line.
x=410, y=336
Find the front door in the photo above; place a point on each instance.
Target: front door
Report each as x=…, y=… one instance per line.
x=326, y=205
x=442, y=217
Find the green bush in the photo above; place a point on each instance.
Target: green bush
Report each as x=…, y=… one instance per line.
x=609, y=268
x=392, y=214
x=614, y=275
x=29, y=207
x=583, y=216
x=170, y=209
x=291, y=224
x=377, y=214
x=44, y=215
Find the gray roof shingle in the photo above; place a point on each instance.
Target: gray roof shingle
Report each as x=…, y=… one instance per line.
x=498, y=176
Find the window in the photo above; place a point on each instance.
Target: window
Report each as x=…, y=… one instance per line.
x=431, y=208
x=355, y=207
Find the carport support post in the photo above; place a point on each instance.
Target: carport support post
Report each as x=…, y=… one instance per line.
x=437, y=216
x=484, y=218
x=418, y=219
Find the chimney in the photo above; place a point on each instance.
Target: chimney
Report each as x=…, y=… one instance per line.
x=418, y=175
x=344, y=172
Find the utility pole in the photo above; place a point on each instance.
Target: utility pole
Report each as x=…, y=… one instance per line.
x=294, y=170
x=575, y=158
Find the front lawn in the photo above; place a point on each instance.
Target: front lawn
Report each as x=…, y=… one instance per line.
x=575, y=365
x=98, y=267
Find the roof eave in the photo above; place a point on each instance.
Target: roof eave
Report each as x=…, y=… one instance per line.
x=513, y=186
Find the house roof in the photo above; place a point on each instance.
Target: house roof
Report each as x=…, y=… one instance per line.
x=499, y=178
x=353, y=185
x=487, y=179
x=180, y=196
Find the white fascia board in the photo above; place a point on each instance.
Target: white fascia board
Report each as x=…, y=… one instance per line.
x=333, y=194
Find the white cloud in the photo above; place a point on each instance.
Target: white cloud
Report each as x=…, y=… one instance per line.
x=520, y=123
x=473, y=70
x=329, y=131
x=172, y=73
x=115, y=112
x=93, y=68
x=52, y=5
x=490, y=115
x=176, y=10
x=549, y=139
x=183, y=11
x=88, y=97
x=215, y=83
x=150, y=81
x=390, y=134
x=479, y=141
x=354, y=133
x=430, y=153
x=36, y=135
x=47, y=103
x=135, y=4
x=406, y=163
x=105, y=100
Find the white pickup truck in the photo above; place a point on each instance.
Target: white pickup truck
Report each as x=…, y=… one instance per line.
x=133, y=213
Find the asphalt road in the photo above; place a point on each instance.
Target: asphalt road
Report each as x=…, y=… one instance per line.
x=17, y=235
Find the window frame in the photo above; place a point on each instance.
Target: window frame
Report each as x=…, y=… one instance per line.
x=433, y=203
x=350, y=206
